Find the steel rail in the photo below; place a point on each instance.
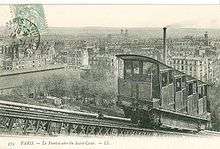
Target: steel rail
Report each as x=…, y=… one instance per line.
x=59, y=116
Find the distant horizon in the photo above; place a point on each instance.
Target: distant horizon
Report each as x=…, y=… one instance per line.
x=2, y=26
x=129, y=27
x=127, y=16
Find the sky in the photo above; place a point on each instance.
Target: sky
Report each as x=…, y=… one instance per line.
x=192, y=16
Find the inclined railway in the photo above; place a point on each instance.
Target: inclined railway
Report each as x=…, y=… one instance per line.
x=24, y=119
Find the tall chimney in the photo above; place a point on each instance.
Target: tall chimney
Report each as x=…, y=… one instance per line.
x=206, y=38
x=164, y=46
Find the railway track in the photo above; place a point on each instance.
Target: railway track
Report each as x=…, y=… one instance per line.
x=17, y=118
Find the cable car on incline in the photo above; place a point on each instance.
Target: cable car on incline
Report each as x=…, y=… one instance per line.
x=153, y=94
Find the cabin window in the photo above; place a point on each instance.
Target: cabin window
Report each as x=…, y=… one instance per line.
x=205, y=90
x=128, y=69
x=183, y=82
x=200, y=91
x=208, y=107
x=178, y=84
x=195, y=87
x=190, y=88
x=170, y=76
x=164, y=79
x=132, y=68
x=141, y=67
x=137, y=67
x=148, y=67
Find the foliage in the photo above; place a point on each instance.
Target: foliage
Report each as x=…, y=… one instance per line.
x=94, y=88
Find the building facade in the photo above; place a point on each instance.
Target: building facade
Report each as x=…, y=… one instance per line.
x=195, y=57
x=198, y=67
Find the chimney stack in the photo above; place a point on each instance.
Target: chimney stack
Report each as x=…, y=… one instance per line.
x=206, y=38
x=164, y=46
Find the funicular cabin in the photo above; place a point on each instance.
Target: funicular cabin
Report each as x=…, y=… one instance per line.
x=153, y=94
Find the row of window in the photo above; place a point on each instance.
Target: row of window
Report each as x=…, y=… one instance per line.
x=167, y=78
x=133, y=68
x=186, y=68
x=188, y=62
x=193, y=88
x=191, y=68
x=180, y=83
x=184, y=62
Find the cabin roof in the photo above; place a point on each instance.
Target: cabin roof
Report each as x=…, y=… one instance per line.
x=148, y=59
x=136, y=57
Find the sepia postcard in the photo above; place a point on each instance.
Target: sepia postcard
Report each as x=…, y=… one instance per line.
x=109, y=76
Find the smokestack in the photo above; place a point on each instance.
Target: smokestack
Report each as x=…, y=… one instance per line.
x=206, y=38
x=164, y=45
